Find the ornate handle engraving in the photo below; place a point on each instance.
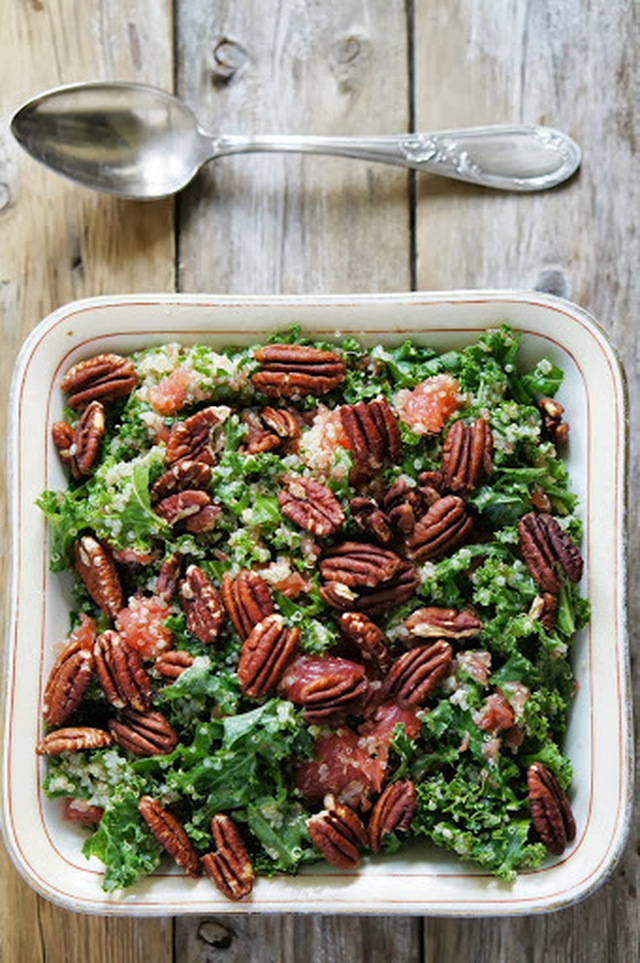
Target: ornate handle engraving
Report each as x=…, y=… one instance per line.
x=517, y=158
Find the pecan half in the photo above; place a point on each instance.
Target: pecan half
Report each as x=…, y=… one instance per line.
x=143, y=733
x=200, y=600
x=197, y=438
x=374, y=437
x=311, y=505
x=395, y=514
x=87, y=438
x=415, y=675
x=228, y=866
x=282, y=421
x=431, y=479
x=259, y=440
x=173, y=663
x=552, y=420
x=191, y=510
x=388, y=428
x=67, y=683
x=374, y=601
x=440, y=623
x=330, y=688
x=266, y=653
x=359, y=565
x=393, y=812
x=396, y=591
x=445, y=526
x=466, y=456
x=120, y=672
x=95, y=566
x=368, y=515
x=544, y=545
x=131, y=556
x=282, y=431
x=338, y=833
x=104, y=377
x=63, y=437
x=338, y=595
x=551, y=814
x=247, y=600
x=170, y=834
x=79, y=448
x=203, y=521
x=182, y=475
x=294, y=371
x=168, y=576
x=405, y=506
x=369, y=640
x=72, y=739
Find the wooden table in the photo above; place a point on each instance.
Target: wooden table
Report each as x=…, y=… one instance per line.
x=266, y=224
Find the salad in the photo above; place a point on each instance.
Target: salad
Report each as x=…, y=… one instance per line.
x=323, y=607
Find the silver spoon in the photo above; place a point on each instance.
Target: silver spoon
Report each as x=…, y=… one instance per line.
x=137, y=141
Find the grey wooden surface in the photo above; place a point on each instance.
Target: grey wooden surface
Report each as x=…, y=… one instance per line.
x=287, y=224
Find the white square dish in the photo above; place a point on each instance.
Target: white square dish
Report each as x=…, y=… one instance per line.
x=422, y=880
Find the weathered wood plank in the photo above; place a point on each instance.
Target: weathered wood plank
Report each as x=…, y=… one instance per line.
x=291, y=224
x=611, y=937
x=289, y=939
x=575, y=66
x=59, y=243
x=266, y=224
x=498, y=62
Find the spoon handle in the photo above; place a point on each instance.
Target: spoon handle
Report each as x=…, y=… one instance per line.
x=516, y=158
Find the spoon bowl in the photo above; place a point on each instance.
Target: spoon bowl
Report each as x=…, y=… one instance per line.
x=125, y=139
x=137, y=141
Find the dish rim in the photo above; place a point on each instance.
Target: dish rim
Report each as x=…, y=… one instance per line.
x=253, y=302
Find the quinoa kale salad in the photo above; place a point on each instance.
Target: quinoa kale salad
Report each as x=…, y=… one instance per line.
x=323, y=607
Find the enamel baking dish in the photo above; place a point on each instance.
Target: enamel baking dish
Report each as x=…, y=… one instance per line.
x=421, y=880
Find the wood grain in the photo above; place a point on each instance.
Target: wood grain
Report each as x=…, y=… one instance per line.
x=289, y=224
x=290, y=939
x=573, y=65
x=285, y=223
x=60, y=243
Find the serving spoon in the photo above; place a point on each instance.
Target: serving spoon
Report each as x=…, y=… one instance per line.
x=137, y=141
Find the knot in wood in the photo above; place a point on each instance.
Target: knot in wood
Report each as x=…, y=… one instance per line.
x=215, y=934
x=346, y=50
x=228, y=58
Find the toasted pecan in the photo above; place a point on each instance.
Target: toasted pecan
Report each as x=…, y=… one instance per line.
x=338, y=833
x=105, y=377
x=170, y=833
x=294, y=371
x=228, y=865
x=551, y=813
x=311, y=505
